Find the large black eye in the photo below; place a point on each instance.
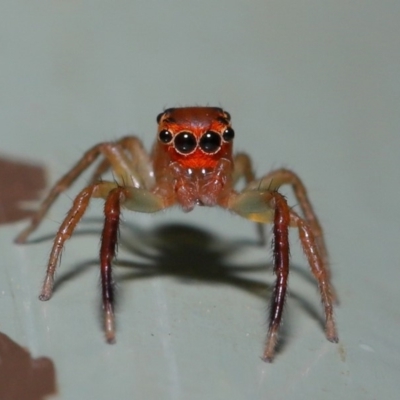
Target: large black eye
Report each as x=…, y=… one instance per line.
x=228, y=134
x=165, y=136
x=185, y=142
x=210, y=142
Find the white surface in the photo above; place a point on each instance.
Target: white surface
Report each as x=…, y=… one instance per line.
x=311, y=85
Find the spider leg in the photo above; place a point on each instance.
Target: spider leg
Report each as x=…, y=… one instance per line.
x=279, y=177
x=281, y=269
x=139, y=161
x=115, y=156
x=267, y=206
x=112, y=211
x=134, y=199
x=243, y=168
x=67, y=228
x=320, y=272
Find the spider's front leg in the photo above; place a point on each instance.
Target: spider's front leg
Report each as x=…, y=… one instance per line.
x=115, y=197
x=135, y=199
x=130, y=175
x=267, y=206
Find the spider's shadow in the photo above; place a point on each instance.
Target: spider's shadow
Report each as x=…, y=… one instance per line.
x=191, y=255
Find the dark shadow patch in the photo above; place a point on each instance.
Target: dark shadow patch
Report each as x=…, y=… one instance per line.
x=23, y=377
x=20, y=181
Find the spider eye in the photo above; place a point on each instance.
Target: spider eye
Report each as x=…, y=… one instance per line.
x=165, y=136
x=159, y=117
x=185, y=142
x=227, y=115
x=210, y=142
x=228, y=134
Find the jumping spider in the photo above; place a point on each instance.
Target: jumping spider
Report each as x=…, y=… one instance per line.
x=191, y=164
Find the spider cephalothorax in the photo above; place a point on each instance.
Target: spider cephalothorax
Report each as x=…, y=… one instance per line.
x=191, y=164
x=198, y=142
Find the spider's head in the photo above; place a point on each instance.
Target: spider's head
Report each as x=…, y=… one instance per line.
x=196, y=137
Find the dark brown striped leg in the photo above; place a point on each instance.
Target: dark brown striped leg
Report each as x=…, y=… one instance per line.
x=109, y=239
x=281, y=269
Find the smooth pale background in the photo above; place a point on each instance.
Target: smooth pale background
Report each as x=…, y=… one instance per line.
x=312, y=86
